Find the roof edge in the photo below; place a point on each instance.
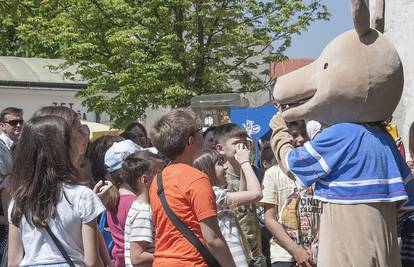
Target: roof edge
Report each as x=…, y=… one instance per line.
x=44, y=84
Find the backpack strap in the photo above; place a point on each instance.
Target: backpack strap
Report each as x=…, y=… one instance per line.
x=60, y=247
x=185, y=231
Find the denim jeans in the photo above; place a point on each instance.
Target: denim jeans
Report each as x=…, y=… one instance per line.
x=283, y=264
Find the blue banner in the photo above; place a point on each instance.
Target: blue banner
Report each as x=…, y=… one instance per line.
x=254, y=120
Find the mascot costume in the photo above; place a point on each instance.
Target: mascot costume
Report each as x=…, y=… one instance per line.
x=358, y=173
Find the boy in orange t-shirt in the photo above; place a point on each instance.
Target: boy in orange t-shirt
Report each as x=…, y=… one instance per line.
x=188, y=193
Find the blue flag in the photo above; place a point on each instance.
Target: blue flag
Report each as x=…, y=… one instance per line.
x=254, y=120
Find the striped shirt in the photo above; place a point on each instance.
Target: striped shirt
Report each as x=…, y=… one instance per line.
x=138, y=227
x=406, y=231
x=228, y=227
x=353, y=164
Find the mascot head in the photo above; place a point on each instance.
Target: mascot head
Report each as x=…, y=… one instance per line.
x=357, y=78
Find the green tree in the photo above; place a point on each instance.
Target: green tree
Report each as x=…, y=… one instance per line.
x=137, y=54
x=14, y=16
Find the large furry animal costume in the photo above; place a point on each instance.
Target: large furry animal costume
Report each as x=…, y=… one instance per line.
x=358, y=173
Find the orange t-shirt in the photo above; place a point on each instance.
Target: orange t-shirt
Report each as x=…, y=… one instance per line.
x=190, y=196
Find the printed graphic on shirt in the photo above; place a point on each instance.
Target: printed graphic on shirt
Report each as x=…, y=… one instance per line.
x=290, y=218
x=300, y=216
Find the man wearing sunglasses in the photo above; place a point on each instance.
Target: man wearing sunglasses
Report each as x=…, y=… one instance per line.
x=11, y=121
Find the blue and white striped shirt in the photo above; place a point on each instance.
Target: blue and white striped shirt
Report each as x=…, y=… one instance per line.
x=353, y=164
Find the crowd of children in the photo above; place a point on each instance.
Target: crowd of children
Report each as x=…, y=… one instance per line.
x=179, y=197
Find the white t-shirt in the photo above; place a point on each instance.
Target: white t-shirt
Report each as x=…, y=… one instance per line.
x=78, y=205
x=138, y=227
x=228, y=227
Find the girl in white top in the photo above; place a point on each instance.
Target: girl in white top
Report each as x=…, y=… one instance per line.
x=45, y=193
x=212, y=163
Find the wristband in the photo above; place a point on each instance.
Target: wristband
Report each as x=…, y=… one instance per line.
x=246, y=161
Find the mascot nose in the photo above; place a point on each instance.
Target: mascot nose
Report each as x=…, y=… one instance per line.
x=295, y=85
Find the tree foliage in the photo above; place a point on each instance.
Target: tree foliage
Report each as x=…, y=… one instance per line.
x=138, y=53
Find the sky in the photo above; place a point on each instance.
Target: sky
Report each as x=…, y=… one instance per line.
x=311, y=43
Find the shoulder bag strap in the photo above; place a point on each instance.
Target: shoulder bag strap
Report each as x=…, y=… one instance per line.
x=185, y=231
x=60, y=247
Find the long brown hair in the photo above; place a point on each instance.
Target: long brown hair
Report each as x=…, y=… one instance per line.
x=72, y=119
x=41, y=164
x=206, y=163
x=68, y=114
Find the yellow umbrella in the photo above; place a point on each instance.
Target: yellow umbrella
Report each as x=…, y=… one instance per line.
x=97, y=130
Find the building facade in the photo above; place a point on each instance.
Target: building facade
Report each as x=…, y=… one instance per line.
x=399, y=29
x=30, y=83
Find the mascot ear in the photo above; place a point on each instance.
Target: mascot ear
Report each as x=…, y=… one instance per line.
x=378, y=21
x=360, y=15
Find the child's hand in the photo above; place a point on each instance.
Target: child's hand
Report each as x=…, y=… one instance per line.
x=410, y=164
x=242, y=153
x=102, y=187
x=303, y=257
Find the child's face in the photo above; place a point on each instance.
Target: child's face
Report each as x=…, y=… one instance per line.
x=228, y=148
x=221, y=170
x=299, y=135
x=78, y=142
x=209, y=140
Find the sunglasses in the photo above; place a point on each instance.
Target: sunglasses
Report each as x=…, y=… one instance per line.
x=14, y=122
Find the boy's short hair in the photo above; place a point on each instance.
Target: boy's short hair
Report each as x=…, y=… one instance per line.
x=209, y=129
x=170, y=133
x=138, y=164
x=298, y=124
x=229, y=130
x=267, y=155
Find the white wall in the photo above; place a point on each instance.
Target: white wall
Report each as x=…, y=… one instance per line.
x=399, y=29
x=33, y=99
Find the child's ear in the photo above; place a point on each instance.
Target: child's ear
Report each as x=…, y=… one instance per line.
x=145, y=179
x=219, y=148
x=191, y=140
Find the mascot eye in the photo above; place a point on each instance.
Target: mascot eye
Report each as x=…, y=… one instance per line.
x=325, y=66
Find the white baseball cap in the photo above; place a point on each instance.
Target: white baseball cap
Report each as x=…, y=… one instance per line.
x=118, y=152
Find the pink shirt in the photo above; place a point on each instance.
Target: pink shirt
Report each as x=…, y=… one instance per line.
x=116, y=223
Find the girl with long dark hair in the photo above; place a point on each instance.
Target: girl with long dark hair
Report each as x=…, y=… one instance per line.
x=46, y=192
